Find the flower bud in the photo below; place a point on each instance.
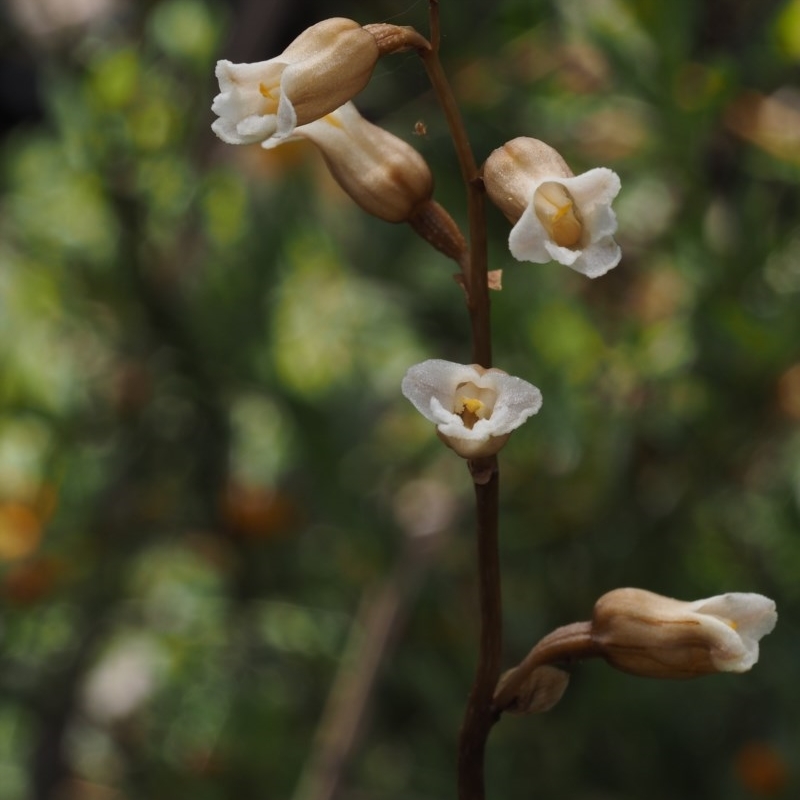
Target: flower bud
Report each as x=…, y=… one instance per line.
x=653, y=636
x=540, y=691
x=556, y=215
x=324, y=67
x=475, y=409
x=383, y=174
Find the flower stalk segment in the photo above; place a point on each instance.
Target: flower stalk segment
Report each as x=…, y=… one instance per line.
x=474, y=264
x=478, y=717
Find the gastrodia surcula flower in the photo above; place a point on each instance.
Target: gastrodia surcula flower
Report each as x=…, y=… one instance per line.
x=324, y=67
x=557, y=216
x=646, y=634
x=474, y=409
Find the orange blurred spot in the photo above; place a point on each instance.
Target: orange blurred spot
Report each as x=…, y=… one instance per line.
x=46, y=501
x=256, y=512
x=20, y=531
x=761, y=769
x=789, y=392
x=31, y=581
x=657, y=295
x=771, y=123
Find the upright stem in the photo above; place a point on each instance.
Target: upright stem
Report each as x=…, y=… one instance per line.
x=476, y=271
x=479, y=715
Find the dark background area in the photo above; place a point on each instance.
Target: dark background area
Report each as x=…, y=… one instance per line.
x=206, y=466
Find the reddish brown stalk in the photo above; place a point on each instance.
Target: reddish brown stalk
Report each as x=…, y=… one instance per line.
x=476, y=268
x=479, y=715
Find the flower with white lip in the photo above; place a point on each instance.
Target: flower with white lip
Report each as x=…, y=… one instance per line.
x=324, y=67
x=383, y=174
x=654, y=636
x=474, y=409
x=556, y=215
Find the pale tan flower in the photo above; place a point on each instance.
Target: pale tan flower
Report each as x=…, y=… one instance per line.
x=646, y=634
x=386, y=176
x=474, y=409
x=324, y=67
x=557, y=216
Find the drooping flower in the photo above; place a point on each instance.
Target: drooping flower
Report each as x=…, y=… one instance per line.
x=474, y=409
x=556, y=215
x=383, y=174
x=324, y=67
x=654, y=636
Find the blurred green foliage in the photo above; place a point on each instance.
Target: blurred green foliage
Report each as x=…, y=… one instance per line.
x=205, y=460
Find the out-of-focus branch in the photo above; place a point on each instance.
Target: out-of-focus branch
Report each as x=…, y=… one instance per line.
x=380, y=616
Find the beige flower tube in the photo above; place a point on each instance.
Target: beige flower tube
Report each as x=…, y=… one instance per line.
x=383, y=174
x=646, y=634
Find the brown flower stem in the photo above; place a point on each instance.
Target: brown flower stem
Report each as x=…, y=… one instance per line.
x=479, y=714
x=565, y=644
x=476, y=268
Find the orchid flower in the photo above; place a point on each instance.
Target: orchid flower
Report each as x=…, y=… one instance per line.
x=556, y=215
x=474, y=409
x=324, y=67
x=647, y=634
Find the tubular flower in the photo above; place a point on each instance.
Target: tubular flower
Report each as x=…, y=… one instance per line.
x=474, y=409
x=556, y=215
x=385, y=176
x=654, y=636
x=324, y=67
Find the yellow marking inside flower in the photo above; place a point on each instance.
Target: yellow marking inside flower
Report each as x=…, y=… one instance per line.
x=269, y=94
x=470, y=411
x=733, y=625
x=332, y=119
x=556, y=210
